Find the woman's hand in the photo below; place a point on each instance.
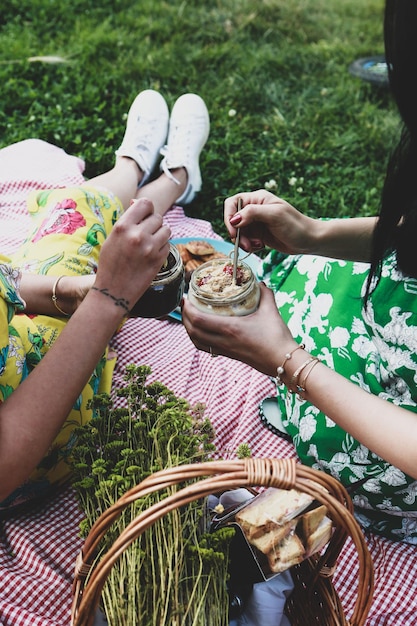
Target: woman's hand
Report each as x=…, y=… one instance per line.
x=266, y=220
x=133, y=253
x=260, y=339
x=130, y=258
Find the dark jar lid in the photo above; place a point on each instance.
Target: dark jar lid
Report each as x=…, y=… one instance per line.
x=166, y=290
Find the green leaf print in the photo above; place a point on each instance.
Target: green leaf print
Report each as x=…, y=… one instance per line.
x=92, y=235
x=6, y=391
x=46, y=265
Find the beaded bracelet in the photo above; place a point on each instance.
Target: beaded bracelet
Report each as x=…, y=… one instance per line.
x=55, y=297
x=281, y=368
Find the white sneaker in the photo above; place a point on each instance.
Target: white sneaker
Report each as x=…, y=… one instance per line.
x=146, y=131
x=189, y=128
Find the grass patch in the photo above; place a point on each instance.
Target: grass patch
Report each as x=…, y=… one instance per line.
x=274, y=75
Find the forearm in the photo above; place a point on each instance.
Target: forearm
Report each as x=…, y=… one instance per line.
x=349, y=239
x=32, y=416
x=37, y=291
x=269, y=221
x=385, y=428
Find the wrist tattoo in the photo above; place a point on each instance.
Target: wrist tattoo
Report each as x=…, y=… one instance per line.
x=118, y=301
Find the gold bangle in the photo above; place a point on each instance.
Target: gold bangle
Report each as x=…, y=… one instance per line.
x=294, y=377
x=55, y=297
x=302, y=386
x=281, y=368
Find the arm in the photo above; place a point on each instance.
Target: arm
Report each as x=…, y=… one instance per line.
x=262, y=339
x=348, y=239
x=31, y=417
x=385, y=428
x=266, y=220
x=36, y=290
x=33, y=414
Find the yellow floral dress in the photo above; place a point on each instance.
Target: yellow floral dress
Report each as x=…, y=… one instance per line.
x=70, y=226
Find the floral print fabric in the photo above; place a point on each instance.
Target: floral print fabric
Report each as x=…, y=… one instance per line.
x=18, y=353
x=376, y=348
x=69, y=228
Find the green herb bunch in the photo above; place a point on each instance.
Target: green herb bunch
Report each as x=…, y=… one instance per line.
x=176, y=572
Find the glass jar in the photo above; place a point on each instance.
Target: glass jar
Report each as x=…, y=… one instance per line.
x=166, y=290
x=212, y=291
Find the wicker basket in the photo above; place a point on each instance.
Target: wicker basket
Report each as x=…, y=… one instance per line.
x=314, y=599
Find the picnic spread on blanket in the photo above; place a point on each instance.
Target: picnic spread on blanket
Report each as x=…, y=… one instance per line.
x=40, y=541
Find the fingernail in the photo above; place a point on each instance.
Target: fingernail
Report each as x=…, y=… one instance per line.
x=235, y=219
x=132, y=201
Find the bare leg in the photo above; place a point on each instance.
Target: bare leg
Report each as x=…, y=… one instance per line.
x=122, y=180
x=125, y=176
x=163, y=191
x=142, y=144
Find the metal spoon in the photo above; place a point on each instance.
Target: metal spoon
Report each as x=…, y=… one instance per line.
x=236, y=249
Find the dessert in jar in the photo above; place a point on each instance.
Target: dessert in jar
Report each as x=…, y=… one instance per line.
x=166, y=290
x=212, y=289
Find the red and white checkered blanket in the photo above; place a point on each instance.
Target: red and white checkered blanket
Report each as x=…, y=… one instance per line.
x=38, y=547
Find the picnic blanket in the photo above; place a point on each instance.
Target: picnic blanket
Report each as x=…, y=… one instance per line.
x=39, y=544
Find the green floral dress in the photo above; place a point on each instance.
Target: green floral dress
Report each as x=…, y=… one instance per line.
x=69, y=228
x=376, y=348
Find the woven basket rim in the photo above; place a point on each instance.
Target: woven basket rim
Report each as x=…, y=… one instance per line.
x=211, y=477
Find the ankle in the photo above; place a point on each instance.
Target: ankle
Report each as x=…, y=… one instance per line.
x=128, y=164
x=178, y=177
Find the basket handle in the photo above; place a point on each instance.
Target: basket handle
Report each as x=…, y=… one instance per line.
x=219, y=476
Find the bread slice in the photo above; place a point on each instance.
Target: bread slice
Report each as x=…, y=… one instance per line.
x=289, y=552
x=310, y=521
x=270, y=541
x=318, y=539
x=274, y=507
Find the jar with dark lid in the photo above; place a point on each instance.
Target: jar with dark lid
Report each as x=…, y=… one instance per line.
x=212, y=290
x=166, y=290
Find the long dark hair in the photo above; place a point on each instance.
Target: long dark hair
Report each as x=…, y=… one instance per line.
x=396, y=227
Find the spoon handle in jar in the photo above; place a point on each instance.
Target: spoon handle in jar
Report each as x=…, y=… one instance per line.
x=236, y=249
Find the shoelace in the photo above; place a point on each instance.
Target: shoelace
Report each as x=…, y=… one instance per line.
x=176, y=140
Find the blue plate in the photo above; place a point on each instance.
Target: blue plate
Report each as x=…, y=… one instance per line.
x=226, y=248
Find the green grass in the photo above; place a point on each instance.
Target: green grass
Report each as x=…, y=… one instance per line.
x=274, y=75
